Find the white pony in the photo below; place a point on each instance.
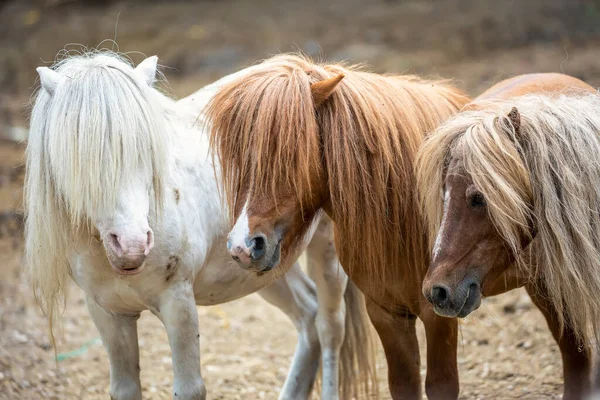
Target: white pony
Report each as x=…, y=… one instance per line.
x=121, y=195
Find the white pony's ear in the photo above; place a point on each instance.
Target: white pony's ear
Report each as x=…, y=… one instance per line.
x=147, y=69
x=49, y=78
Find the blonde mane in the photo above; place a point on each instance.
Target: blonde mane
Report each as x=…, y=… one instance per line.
x=545, y=178
x=268, y=135
x=99, y=127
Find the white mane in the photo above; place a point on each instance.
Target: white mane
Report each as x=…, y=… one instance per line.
x=99, y=126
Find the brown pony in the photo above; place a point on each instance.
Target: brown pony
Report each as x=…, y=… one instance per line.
x=294, y=138
x=511, y=191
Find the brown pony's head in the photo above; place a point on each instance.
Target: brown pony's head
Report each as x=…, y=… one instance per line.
x=265, y=131
x=472, y=178
x=510, y=175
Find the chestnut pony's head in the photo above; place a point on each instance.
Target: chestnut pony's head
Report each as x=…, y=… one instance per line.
x=267, y=137
x=468, y=250
x=508, y=176
x=294, y=137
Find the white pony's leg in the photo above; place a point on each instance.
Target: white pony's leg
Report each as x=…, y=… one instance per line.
x=177, y=311
x=119, y=335
x=295, y=295
x=325, y=269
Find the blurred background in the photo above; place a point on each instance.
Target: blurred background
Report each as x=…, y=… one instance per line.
x=505, y=350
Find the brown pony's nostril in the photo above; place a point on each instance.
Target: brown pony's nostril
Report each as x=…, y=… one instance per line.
x=440, y=295
x=474, y=287
x=257, y=246
x=259, y=243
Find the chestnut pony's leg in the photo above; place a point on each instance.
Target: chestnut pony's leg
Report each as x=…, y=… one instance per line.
x=442, y=369
x=576, y=360
x=399, y=339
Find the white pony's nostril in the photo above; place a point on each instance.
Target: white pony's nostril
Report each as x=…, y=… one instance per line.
x=116, y=244
x=149, y=242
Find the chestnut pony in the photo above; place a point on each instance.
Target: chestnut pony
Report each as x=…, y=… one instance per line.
x=511, y=191
x=295, y=138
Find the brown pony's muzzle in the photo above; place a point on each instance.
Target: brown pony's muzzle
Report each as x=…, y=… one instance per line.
x=454, y=301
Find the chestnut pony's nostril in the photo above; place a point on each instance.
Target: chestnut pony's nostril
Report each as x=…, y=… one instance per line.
x=259, y=243
x=257, y=246
x=440, y=295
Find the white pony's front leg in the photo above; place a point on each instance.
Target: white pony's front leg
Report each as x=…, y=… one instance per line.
x=179, y=316
x=295, y=295
x=119, y=335
x=325, y=269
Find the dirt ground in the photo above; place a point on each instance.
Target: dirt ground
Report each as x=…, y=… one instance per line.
x=505, y=349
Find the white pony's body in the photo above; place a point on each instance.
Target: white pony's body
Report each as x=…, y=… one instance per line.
x=188, y=263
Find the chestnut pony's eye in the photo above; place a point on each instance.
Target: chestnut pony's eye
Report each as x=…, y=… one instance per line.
x=478, y=200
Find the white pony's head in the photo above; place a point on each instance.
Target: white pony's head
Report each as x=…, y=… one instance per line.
x=96, y=156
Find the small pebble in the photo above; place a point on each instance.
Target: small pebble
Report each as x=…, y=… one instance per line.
x=19, y=337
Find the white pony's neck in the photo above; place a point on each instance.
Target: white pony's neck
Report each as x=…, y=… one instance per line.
x=192, y=122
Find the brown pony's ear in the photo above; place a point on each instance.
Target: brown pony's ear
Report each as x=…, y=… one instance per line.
x=515, y=119
x=323, y=89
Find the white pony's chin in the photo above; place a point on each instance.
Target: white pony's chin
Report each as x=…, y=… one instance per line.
x=133, y=271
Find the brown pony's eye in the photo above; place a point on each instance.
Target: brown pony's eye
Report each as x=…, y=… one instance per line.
x=478, y=200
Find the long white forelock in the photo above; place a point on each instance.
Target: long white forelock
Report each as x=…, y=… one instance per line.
x=102, y=123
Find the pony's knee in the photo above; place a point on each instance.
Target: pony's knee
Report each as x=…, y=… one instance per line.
x=331, y=327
